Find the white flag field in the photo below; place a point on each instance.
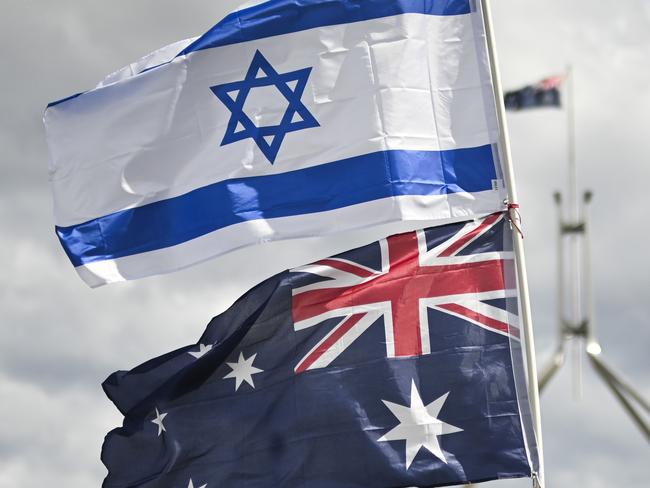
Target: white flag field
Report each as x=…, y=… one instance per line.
x=277, y=125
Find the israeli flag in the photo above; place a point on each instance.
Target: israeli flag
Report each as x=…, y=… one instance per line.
x=285, y=120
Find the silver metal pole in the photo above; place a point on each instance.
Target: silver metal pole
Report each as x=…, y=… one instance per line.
x=612, y=382
x=518, y=245
x=571, y=145
x=626, y=387
x=593, y=347
x=561, y=304
x=552, y=367
x=557, y=360
x=574, y=238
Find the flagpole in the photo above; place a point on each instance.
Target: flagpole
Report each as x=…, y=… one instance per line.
x=529, y=343
x=575, y=239
x=571, y=147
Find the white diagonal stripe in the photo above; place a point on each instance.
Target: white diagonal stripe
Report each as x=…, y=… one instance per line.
x=427, y=257
x=342, y=312
x=480, y=296
x=490, y=311
x=338, y=278
x=484, y=309
x=343, y=342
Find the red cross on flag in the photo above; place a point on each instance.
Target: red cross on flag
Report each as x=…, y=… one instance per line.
x=412, y=279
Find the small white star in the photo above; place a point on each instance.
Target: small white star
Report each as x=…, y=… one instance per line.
x=191, y=485
x=159, y=422
x=203, y=349
x=243, y=370
x=419, y=426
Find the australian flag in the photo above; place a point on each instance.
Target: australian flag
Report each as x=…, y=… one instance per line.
x=546, y=93
x=396, y=364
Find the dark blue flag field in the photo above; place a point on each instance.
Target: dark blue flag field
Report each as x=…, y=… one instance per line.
x=397, y=364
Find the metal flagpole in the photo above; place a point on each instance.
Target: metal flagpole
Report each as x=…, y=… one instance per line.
x=579, y=322
x=574, y=218
x=529, y=343
x=571, y=146
x=616, y=385
x=559, y=355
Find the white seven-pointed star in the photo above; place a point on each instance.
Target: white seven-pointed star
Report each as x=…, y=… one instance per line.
x=243, y=370
x=159, y=421
x=191, y=485
x=203, y=349
x=419, y=426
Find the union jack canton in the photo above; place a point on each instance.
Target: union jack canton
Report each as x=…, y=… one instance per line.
x=415, y=275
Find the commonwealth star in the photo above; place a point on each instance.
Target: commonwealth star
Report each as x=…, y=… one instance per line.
x=419, y=425
x=243, y=370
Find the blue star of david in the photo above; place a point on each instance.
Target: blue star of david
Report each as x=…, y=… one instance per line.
x=268, y=138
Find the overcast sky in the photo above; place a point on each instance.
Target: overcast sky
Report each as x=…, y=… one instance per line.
x=59, y=339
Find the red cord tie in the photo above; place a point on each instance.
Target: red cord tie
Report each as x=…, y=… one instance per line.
x=514, y=216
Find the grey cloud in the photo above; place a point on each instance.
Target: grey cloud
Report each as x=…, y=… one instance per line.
x=60, y=339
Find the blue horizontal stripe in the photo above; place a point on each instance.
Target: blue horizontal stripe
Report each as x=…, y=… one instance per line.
x=320, y=188
x=278, y=17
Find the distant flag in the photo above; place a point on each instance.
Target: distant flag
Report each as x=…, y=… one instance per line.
x=546, y=93
x=285, y=120
x=396, y=364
